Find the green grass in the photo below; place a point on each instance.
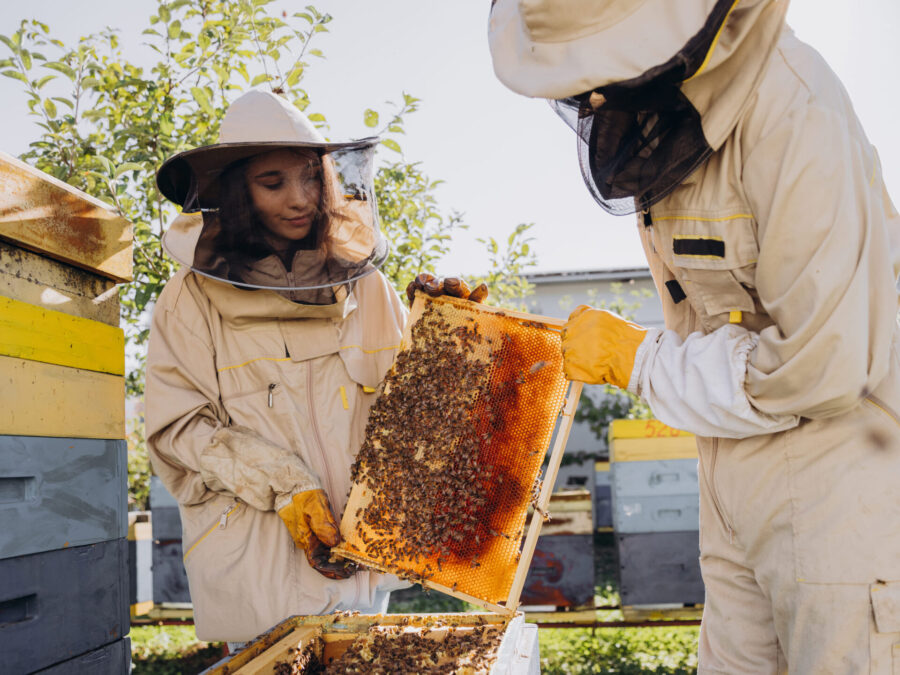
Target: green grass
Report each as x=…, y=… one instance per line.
x=170, y=650
x=626, y=651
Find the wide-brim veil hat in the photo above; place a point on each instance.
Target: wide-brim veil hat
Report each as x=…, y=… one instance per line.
x=651, y=87
x=259, y=122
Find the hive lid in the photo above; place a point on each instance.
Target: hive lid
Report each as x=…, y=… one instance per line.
x=453, y=451
x=43, y=214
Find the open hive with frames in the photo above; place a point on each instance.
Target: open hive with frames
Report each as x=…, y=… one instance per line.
x=347, y=642
x=453, y=451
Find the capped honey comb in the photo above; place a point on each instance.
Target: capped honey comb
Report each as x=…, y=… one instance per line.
x=454, y=447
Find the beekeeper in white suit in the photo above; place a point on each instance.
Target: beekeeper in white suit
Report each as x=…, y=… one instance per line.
x=775, y=250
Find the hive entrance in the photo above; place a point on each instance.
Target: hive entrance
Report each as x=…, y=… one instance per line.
x=454, y=447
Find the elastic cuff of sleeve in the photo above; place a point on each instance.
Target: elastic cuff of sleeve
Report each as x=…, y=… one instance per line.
x=640, y=357
x=283, y=500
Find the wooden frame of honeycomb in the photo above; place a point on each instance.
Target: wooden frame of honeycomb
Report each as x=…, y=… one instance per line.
x=454, y=448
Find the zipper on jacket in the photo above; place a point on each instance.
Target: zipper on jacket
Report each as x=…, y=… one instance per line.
x=223, y=519
x=271, y=394
x=714, y=491
x=315, y=425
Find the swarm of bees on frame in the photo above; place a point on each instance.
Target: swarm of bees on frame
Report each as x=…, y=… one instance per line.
x=420, y=460
x=387, y=650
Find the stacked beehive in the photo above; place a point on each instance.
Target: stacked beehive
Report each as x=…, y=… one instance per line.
x=602, y=498
x=655, y=502
x=170, y=584
x=561, y=574
x=63, y=468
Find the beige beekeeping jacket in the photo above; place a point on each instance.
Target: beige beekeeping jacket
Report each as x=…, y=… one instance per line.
x=786, y=247
x=241, y=384
x=776, y=263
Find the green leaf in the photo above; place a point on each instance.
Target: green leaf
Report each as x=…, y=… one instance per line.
x=26, y=59
x=316, y=117
x=370, y=117
x=392, y=144
x=50, y=108
x=303, y=15
x=201, y=96
x=60, y=68
x=9, y=43
x=294, y=76
x=127, y=166
x=16, y=75
x=164, y=13
x=174, y=30
x=166, y=126
x=259, y=79
x=317, y=52
x=106, y=164
x=39, y=83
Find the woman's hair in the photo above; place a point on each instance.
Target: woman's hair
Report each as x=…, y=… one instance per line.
x=234, y=236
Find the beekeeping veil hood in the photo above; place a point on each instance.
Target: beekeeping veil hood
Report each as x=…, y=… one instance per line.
x=651, y=87
x=228, y=244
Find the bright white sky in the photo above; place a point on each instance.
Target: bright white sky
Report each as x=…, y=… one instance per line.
x=505, y=159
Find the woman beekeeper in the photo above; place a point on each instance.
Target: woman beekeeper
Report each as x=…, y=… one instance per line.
x=775, y=249
x=265, y=352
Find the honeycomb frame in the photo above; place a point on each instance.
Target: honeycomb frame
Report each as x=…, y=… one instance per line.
x=478, y=479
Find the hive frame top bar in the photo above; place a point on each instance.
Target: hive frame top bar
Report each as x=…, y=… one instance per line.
x=551, y=322
x=572, y=395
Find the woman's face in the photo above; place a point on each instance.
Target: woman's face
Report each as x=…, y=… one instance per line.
x=285, y=187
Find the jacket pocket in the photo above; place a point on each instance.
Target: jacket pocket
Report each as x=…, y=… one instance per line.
x=845, y=506
x=715, y=258
x=199, y=534
x=885, y=643
x=877, y=403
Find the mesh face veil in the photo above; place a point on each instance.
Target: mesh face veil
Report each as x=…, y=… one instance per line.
x=631, y=154
x=340, y=242
x=639, y=139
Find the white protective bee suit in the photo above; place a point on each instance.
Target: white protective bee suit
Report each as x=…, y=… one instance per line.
x=775, y=250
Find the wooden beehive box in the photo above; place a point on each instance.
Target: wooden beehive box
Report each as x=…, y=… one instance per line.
x=454, y=448
x=414, y=643
x=63, y=466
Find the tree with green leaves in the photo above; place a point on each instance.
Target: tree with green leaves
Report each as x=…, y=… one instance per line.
x=105, y=124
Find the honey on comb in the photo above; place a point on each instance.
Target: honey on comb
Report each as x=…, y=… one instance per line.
x=454, y=446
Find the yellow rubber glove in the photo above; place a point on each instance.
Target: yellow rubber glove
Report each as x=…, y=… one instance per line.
x=599, y=347
x=313, y=528
x=307, y=515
